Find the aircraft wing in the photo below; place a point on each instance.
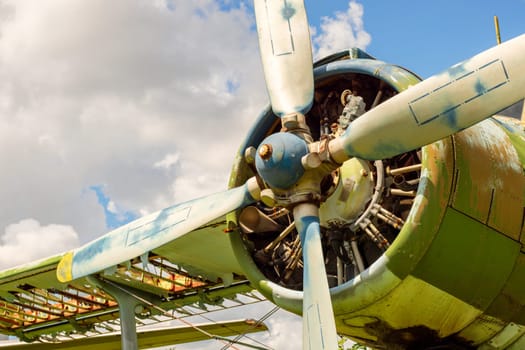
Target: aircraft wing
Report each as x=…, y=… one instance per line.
x=147, y=338
x=191, y=275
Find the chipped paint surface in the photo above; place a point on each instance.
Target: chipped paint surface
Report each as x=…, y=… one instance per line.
x=444, y=257
x=281, y=167
x=150, y=232
x=489, y=183
x=319, y=325
x=484, y=79
x=354, y=189
x=451, y=103
x=435, y=309
x=284, y=41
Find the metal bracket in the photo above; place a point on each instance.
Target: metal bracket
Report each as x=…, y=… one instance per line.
x=127, y=304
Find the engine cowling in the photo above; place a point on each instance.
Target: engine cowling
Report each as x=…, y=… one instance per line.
x=422, y=249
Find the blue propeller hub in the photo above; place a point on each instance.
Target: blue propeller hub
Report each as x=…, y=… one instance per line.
x=278, y=160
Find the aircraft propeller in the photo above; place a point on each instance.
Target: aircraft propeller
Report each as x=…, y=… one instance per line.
x=284, y=41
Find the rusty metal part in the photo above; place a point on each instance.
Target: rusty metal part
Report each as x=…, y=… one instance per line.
x=265, y=151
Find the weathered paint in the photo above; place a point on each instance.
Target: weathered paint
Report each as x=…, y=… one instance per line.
x=150, y=232
x=205, y=252
x=284, y=41
x=439, y=263
x=428, y=210
x=441, y=255
x=318, y=319
x=508, y=335
x=516, y=133
x=282, y=167
x=353, y=190
x=466, y=253
x=412, y=303
x=474, y=259
x=438, y=106
x=518, y=344
x=489, y=183
x=18, y=272
x=510, y=302
x=482, y=329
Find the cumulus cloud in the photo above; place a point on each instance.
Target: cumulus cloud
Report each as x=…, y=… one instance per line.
x=142, y=97
x=342, y=31
x=28, y=240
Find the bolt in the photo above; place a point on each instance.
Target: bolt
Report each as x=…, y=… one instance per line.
x=364, y=173
x=268, y=197
x=311, y=161
x=265, y=152
x=249, y=155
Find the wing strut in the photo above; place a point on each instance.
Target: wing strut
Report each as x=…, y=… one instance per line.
x=128, y=302
x=127, y=305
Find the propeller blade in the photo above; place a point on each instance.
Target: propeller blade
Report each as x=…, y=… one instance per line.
x=286, y=52
x=152, y=231
x=319, y=330
x=440, y=106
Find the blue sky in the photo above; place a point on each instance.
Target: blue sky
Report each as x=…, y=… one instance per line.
x=429, y=36
x=115, y=217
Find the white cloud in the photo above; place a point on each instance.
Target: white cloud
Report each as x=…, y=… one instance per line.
x=286, y=331
x=169, y=161
x=112, y=207
x=28, y=240
x=341, y=32
x=116, y=93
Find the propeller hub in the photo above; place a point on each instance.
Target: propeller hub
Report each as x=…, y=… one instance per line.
x=278, y=160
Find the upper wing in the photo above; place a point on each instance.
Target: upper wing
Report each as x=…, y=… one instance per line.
x=186, y=276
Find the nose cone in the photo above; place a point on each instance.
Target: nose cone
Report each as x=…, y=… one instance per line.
x=278, y=160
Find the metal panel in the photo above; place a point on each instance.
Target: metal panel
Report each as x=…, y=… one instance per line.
x=489, y=182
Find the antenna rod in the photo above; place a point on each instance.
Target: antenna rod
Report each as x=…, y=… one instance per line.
x=496, y=25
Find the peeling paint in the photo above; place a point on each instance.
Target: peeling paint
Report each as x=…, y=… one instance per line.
x=152, y=231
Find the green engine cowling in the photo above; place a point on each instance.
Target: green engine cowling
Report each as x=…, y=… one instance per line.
x=453, y=275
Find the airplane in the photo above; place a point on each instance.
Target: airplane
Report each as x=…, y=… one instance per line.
x=378, y=206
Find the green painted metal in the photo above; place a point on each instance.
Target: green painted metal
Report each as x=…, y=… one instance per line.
x=465, y=254
x=216, y=261
x=148, y=338
x=510, y=302
x=428, y=211
x=30, y=269
x=489, y=183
